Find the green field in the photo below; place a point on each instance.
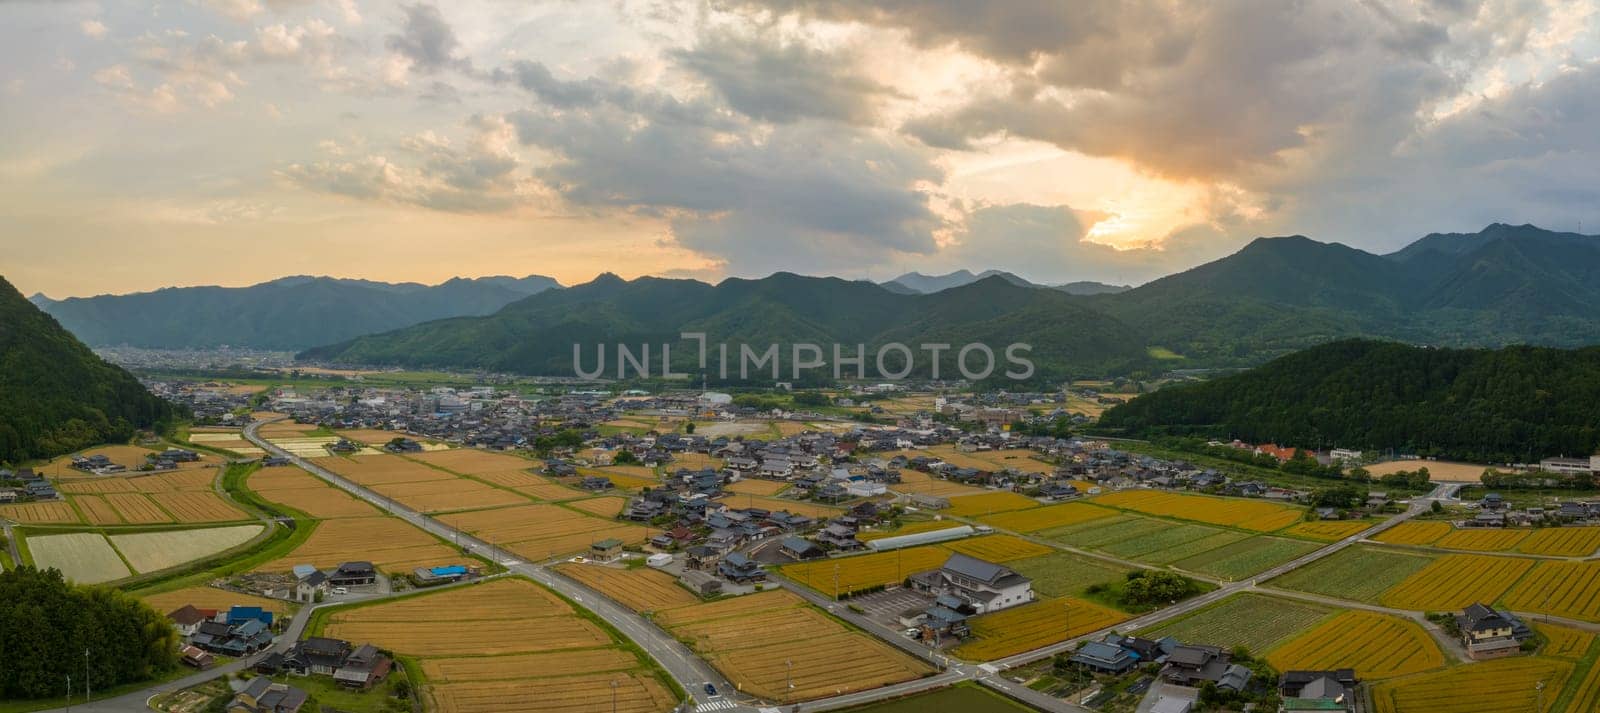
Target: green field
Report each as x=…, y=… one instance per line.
x=960, y=698
x=1358, y=573
x=1255, y=621
x=1172, y=542
x=1095, y=534
x=1242, y=559
x=1067, y=574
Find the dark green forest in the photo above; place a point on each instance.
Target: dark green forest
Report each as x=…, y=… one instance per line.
x=46, y=625
x=57, y=396
x=1516, y=404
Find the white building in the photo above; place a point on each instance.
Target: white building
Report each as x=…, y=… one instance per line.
x=985, y=586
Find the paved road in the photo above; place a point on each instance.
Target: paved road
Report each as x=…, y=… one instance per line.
x=679, y=662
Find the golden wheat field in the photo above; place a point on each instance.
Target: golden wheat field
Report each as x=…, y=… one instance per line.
x=550, y=492
x=1257, y=515
x=1484, y=687
x=1588, y=697
x=96, y=511
x=1481, y=540
x=137, y=508
x=1562, y=541
x=997, y=548
x=828, y=657
x=307, y=493
x=381, y=469
x=757, y=487
x=641, y=589
x=1023, y=628
x=1564, y=642
x=209, y=598
x=1414, y=533
x=510, y=478
x=798, y=507
x=1375, y=645
x=863, y=571
x=1437, y=469
x=541, y=531
x=988, y=504
x=198, y=507
x=1327, y=531
x=560, y=663
x=1569, y=589
x=912, y=481
x=1047, y=517
x=390, y=544
x=607, y=507
x=472, y=461
x=1455, y=581
x=431, y=496
x=633, y=693
x=42, y=513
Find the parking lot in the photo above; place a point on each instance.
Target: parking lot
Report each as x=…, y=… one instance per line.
x=885, y=607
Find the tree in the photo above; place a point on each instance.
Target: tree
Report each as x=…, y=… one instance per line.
x=689, y=428
x=625, y=457
x=1145, y=588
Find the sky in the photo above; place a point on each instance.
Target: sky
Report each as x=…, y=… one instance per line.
x=188, y=142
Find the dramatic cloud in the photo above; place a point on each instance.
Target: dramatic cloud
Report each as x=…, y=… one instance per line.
x=428, y=42
x=783, y=82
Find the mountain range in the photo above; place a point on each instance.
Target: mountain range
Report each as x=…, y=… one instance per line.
x=918, y=283
x=56, y=396
x=1503, y=285
x=289, y=313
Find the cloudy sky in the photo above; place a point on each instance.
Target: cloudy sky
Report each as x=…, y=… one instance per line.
x=231, y=141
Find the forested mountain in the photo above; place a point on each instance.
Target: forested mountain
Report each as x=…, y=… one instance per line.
x=536, y=335
x=289, y=313
x=56, y=396
x=916, y=282
x=1516, y=404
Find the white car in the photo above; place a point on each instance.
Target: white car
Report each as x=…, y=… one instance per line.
x=341, y=590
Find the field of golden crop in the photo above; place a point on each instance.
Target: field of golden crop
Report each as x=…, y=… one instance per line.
x=1375, y=645
x=441, y=495
x=695, y=461
x=998, y=548
x=129, y=456
x=1437, y=469
x=863, y=571
x=202, y=506
x=541, y=531
x=757, y=487
x=1047, y=517
x=1562, y=541
x=472, y=461
x=633, y=693
x=913, y=481
x=626, y=477
x=381, y=469
x=551, y=492
x=492, y=668
x=371, y=436
x=1414, y=533
x=989, y=503
x=1329, y=530
x=1481, y=540
x=1257, y=515
x=137, y=508
x=42, y=513
x=1455, y=581
x=209, y=598
x=641, y=590
x=1564, y=642
x=798, y=507
x=96, y=510
x=1031, y=626
x=1588, y=698
x=607, y=507
x=390, y=544
x=1486, y=687
x=752, y=640
x=1569, y=589
x=910, y=528
x=510, y=478
x=307, y=493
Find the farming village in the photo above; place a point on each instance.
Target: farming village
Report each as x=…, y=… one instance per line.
x=550, y=547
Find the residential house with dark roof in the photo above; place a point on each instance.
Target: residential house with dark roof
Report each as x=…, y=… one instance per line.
x=1318, y=690
x=984, y=586
x=1194, y=664
x=1488, y=633
x=262, y=695
x=739, y=568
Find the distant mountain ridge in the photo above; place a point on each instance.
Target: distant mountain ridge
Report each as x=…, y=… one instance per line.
x=288, y=313
x=918, y=283
x=1504, y=285
x=56, y=396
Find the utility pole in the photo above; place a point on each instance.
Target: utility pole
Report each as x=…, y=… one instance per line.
x=788, y=674
x=88, y=693
x=1539, y=707
x=69, y=693
x=613, y=695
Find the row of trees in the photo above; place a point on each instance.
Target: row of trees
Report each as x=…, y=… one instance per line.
x=46, y=625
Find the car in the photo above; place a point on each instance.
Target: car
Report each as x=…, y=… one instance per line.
x=913, y=633
x=341, y=590
x=711, y=690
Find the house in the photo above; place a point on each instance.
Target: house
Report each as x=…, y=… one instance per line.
x=240, y=615
x=262, y=695
x=1318, y=690
x=1487, y=633
x=312, y=585
x=363, y=667
x=606, y=550
x=319, y=655
x=739, y=568
x=702, y=583
x=186, y=620
x=839, y=536
x=353, y=574
x=1492, y=501
x=1193, y=665
x=595, y=483
x=983, y=586
x=1101, y=657
x=196, y=657
x=430, y=576
x=799, y=548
